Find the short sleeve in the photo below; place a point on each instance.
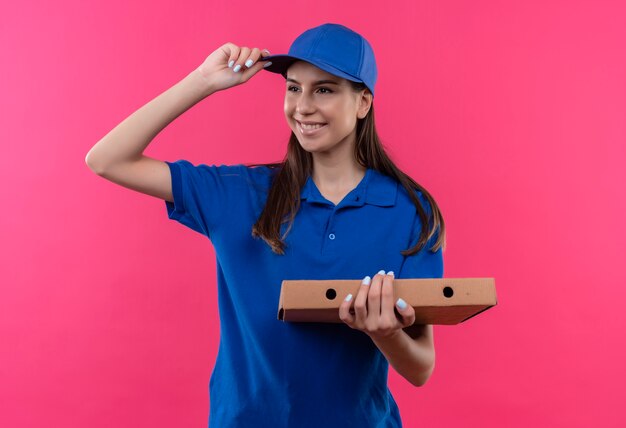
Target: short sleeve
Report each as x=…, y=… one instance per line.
x=425, y=263
x=201, y=193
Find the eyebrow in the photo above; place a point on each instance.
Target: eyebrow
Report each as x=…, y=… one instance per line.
x=319, y=82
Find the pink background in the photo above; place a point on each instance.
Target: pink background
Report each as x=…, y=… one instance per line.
x=512, y=114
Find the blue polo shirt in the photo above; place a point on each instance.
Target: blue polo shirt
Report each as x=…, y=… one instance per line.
x=270, y=373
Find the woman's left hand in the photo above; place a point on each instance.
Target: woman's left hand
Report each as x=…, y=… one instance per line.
x=374, y=308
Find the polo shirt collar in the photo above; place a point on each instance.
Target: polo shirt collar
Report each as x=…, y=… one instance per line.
x=374, y=189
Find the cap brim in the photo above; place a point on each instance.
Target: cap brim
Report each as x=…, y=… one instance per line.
x=280, y=64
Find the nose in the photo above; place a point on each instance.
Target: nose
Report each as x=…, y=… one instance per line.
x=304, y=104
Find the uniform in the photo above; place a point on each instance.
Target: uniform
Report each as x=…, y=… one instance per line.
x=270, y=373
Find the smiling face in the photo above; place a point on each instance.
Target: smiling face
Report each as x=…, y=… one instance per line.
x=322, y=109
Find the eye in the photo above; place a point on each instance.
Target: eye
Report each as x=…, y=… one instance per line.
x=327, y=91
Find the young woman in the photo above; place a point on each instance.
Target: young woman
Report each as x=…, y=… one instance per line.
x=336, y=207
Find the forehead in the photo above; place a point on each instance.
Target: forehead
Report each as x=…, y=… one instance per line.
x=303, y=71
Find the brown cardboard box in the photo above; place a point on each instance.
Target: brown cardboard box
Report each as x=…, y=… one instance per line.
x=435, y=300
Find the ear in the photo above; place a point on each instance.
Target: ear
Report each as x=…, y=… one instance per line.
x=365, y=102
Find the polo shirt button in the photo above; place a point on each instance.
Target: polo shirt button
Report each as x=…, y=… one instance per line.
x=331, y=236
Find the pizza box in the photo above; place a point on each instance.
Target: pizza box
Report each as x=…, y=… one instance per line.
x=435, y=300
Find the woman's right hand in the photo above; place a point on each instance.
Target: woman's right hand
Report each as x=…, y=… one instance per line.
x=218, y=75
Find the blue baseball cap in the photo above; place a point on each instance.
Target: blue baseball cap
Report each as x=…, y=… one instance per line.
x=335, y=49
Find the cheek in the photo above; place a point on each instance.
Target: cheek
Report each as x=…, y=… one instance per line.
x=288, y=114
x=347, y=122
x=288, y=108
x=345, y=112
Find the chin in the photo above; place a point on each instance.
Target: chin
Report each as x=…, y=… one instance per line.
x=311, y=146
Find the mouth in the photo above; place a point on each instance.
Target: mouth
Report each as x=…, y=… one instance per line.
x=310, y=129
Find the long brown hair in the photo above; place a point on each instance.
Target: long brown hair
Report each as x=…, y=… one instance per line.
x=283, y=199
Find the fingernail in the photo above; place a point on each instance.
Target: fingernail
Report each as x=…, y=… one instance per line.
x=401, y=303
x=381, y=272
x=367, y=280
x=230, y=63
x=266, y=50
x=237, y=68
x=390, y=273
x=267, y=64
x=348, y=297
x=249, y=63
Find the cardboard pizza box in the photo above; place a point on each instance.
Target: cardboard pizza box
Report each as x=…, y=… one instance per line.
x=435, y=300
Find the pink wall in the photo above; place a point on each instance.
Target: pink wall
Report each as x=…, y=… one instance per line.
x=511, y=113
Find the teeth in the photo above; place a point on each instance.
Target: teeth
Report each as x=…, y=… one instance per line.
x=310, y=126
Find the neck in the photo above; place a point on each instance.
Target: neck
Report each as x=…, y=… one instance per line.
x=338, y=177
